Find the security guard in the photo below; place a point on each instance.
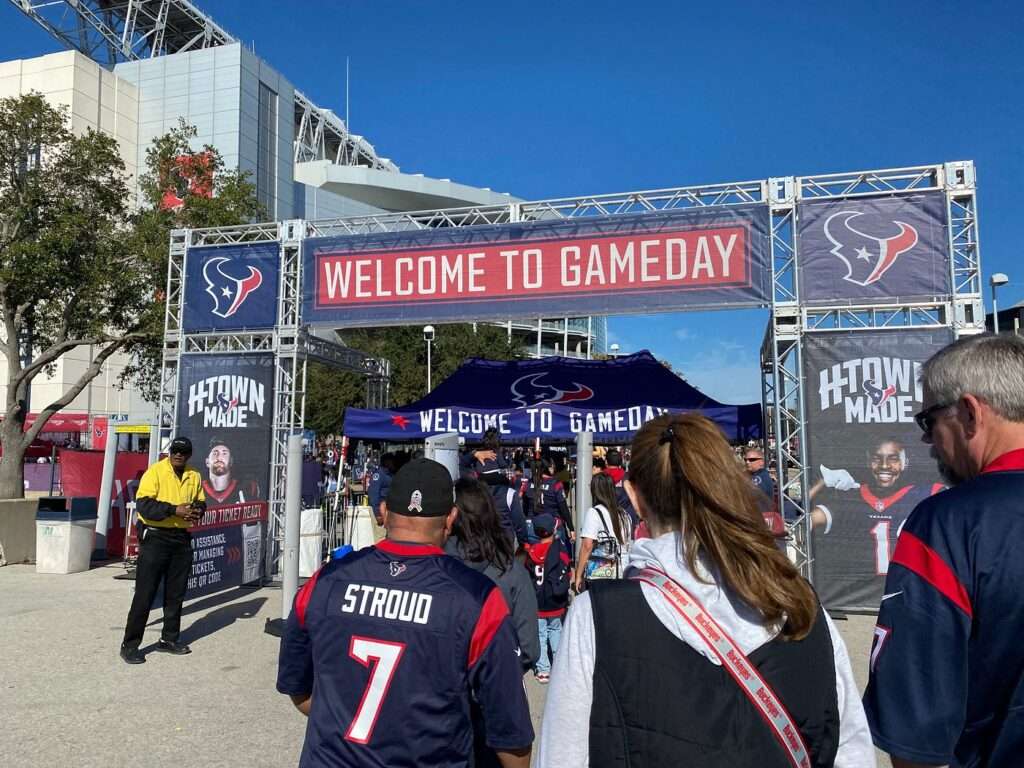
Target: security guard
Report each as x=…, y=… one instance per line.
x=170, y=498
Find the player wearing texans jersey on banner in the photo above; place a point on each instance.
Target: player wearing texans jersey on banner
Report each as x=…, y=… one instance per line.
x=386, y=648
x=947, y=663
x=861, y=518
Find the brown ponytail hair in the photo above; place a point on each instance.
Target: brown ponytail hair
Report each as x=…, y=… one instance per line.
x=687, y=477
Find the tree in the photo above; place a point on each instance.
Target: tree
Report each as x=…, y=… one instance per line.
x=182, y=188
x=75, y=268
x=328, y=392
x=66, y=279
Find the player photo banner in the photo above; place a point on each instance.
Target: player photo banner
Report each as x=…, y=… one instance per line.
x=874, y=249
x=609, y=265
x=867, y=466
x=225, y=405
x=228, y=288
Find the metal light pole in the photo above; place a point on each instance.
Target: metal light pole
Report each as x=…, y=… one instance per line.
x=614, y=349
x=995, y=281
x=428, y=336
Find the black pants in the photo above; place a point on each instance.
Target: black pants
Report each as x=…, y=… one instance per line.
x=163, y=554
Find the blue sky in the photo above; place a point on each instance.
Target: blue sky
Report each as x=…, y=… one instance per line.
x=545, y=100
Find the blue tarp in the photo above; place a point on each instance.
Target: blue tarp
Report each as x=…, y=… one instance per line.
x=554, y=399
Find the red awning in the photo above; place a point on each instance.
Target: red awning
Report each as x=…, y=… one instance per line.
x=61, y=422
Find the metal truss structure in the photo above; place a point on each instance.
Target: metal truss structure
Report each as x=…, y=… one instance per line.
x=781, y=352
x=113, y=31
x=292, y=345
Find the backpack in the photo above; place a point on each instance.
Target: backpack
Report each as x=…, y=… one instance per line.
x=607, y=555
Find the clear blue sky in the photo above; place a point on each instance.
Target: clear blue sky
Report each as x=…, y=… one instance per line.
x=544, y=99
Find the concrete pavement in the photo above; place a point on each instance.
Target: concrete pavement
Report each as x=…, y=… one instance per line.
x=67, y=698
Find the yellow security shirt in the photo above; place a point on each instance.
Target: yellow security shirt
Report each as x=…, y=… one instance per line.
x=162, y=483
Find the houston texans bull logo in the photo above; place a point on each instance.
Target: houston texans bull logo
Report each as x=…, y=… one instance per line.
x=229, y=292
x=876, y=393
x=531, y=390
x=867, y=258
x=224, y=404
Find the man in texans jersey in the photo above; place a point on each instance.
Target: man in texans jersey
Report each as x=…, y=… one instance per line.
x=386, y=649
x=221, y=485
x=947, y=664
x=858, y=522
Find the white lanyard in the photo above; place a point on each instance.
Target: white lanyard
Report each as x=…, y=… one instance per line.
x=737, y=664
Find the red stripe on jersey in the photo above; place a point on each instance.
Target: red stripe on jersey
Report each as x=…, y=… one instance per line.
x=1012, y=460
x=880, y=505
x=491, y=615
x=914, y=555
x=564, y=557
x=551, y=614
x=303, y=597
x=412, y=550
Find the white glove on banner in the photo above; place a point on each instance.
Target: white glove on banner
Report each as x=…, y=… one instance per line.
x=839, y=479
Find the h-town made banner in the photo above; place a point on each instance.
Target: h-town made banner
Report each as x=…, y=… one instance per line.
x=868, y=468
x=655, y=262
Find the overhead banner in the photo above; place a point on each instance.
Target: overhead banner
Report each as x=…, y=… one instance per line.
x=225, y=405
x=870, y=249
x=654, y=262
x=868, y=467
x=231, y=287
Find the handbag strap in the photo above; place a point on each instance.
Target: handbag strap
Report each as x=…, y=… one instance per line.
x=735, y=662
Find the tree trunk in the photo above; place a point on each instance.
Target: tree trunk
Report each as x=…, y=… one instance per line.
x=12, y=464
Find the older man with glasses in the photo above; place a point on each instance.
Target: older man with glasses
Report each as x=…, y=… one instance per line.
x=947, y=663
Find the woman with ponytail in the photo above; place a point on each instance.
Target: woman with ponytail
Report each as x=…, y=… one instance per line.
x=713, y=651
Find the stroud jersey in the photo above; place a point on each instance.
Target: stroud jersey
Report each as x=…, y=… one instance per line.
x=947, y=666
x=853, y=550
x=393, y=642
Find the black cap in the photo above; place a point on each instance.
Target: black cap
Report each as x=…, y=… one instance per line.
x=181, y=445
x=421, y=488
x=543, y=525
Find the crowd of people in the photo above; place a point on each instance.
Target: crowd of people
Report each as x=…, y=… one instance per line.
x=670, y=627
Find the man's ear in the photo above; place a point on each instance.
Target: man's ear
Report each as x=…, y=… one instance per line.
x=973, y=413
x=449, y=521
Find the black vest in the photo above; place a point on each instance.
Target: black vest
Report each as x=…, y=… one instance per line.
x=658, y=703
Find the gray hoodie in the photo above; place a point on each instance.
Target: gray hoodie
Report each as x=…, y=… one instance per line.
x=518, y=591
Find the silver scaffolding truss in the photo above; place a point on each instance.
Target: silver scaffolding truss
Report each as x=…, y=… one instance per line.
x=781, y=352
x=292, y=345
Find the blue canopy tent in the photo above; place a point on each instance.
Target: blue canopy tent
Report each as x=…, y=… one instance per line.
x=553, y=398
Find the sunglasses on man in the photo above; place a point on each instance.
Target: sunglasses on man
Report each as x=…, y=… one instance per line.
x=753, y=459
x=926, y=419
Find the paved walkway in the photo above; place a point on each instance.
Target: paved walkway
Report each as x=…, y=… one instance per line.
x=67, y=699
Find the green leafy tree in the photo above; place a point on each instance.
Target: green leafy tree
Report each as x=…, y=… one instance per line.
x=66, y=278
x=181, y=187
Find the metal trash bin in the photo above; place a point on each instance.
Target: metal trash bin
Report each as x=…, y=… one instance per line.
x=65, y=531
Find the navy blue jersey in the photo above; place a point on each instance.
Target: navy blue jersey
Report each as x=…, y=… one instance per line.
x=854, y=548
x=380, y=483
x=947, y=663
x=552, y=501
x=394, y=642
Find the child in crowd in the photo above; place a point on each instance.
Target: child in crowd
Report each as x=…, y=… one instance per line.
x=548, y=563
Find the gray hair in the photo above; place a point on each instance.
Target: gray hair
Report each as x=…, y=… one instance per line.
x=989, y=367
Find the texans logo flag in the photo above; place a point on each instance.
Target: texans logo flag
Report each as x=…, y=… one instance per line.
x=874, y=248
x=535, y=389
x=878, y=395
x=863, y=253
x=227, y=291
x=229, y=288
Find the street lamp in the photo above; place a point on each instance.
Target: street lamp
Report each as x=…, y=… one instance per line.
x=995, y=281
x=428, y=336
x=614, y=349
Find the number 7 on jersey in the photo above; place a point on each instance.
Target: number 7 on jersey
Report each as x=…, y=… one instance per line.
x=382, y=657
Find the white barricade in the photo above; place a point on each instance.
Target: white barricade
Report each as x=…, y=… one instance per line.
x=311, y=538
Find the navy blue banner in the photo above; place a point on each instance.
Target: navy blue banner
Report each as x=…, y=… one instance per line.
x=868, y=468
x=225, y=405
x=552, y=398
x=874, y=248
x=231, y=287
x=653, y=262
x=227, y=548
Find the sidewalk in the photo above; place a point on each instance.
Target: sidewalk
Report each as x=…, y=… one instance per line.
x=68, y=699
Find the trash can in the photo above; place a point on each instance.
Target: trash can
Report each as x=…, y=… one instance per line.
x=65, y=530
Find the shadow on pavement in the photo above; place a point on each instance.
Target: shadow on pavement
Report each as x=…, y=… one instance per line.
x=220, y=618
x=199, y=605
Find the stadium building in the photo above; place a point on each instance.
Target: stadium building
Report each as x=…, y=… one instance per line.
x=137, y=67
